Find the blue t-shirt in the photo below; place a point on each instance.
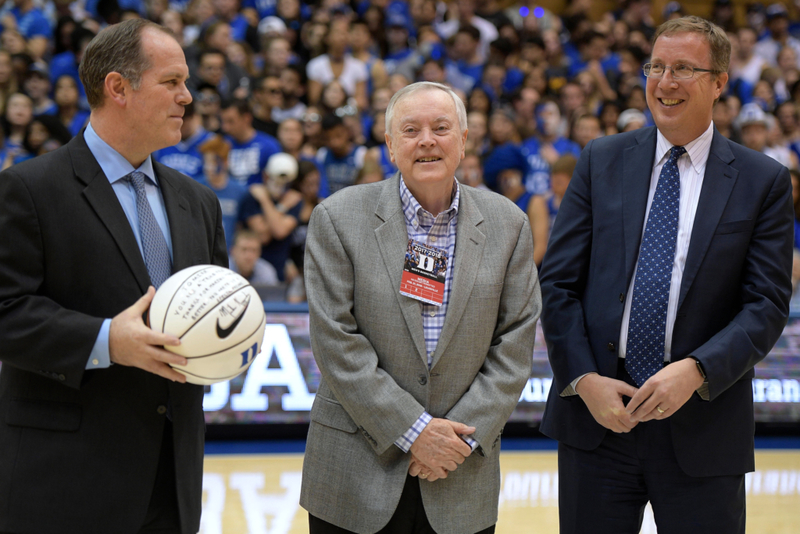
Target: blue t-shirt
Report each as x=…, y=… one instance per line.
x=265, y=8
x=341, y=172
x=389, y=169
x=78, y=122
x=230, y=200
x=185, y=157
x=246, y=160
x=276, y=251
x=32, y=24
x=537, y=180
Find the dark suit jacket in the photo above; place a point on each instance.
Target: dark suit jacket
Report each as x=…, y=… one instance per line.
x=79, y=449
x=734, y=296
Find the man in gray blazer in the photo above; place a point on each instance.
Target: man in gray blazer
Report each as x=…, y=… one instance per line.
x=412, y=390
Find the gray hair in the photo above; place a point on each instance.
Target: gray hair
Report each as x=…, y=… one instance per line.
x=409, y=90
x=118, y=48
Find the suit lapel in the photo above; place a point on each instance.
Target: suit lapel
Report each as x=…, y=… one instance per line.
x=470, y=242
x=718, y=183
x=637, y=167
x=180, y=226
x=392, y=238
x=104, y=202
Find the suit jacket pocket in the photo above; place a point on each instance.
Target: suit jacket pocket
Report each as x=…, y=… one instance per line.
x=733, y=227
x=44, y=415
x=330, y=413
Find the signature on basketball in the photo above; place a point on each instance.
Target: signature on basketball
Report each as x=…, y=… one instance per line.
x=231, y=313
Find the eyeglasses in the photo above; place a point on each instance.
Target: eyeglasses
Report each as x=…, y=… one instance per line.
x=679, y=71
x=311, y=117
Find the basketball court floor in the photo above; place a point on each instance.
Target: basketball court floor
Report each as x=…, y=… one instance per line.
x=249, y=491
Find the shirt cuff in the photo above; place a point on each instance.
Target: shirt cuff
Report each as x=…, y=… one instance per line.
x=100, y=357
x=571, y=390
x=405, y=441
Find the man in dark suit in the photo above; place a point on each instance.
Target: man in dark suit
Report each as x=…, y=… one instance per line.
x=667, y=278
x=97, y=433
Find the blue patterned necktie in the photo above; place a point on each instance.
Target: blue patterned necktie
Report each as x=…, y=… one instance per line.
x=156, y=252
x=644, y=354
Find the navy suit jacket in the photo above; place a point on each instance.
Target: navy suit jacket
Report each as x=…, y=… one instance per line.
x=734, y=295
x=79, y=449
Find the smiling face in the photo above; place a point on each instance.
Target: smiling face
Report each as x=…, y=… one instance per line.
x=682, y=108
x=426, y=142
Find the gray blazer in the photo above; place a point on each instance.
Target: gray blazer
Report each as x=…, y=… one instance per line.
x=369, y=345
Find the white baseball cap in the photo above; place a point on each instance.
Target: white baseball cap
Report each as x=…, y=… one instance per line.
x=282, y=167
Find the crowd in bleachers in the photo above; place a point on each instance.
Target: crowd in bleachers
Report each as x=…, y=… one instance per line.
x=310, y=82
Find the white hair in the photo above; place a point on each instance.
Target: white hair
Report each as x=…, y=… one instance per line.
x=409, y=90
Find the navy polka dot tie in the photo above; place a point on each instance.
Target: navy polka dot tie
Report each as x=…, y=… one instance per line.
x=644, y=355
x=156, y=252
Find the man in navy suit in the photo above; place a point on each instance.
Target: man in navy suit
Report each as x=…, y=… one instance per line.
x=657, y=307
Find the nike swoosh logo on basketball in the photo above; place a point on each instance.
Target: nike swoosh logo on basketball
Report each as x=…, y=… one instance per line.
x=222, y=333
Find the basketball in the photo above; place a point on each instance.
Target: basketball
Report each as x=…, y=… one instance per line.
x=218, y=317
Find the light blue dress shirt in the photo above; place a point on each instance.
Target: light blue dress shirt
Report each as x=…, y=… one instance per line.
x=116, y=168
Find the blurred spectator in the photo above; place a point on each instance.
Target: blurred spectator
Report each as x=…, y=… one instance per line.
x=215, y=151
x=245, y=259
x=186, y=156
x=66, y=97
x=379, y=154
x=466, y=56
x=267, y=97
x=631, y=119
x=397, y=39
x=778, y=26
x=312, y=129
x=337, y=64
x=37, y=87
x=462, y=13
x=250, y=149
x=339, y=157
x=723, y=117
x=291, y=138
x=470, y=171
x=585, y=128
x=67, y=61
x=746, y=65
x=18, y=114
x=214, y=69
x=364, y=48
x=478, y=139
x=293, y=88
x=754, y=126
x=277, y=54
x=44, y=134
x=505, y=147
x=209, y=104
x=8, y=79
x=27, y=19
x=722, y=15
x=272, y=210
x=609, y=115
x=543, y=149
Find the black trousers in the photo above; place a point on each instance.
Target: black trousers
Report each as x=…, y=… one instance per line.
x=409, y=518
x=606, y=490
x=162, y=513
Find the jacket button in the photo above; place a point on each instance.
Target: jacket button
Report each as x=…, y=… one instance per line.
x=423, y=379
x=62, y=377
x=161, y=410
x=622, y=297
x=612, y=347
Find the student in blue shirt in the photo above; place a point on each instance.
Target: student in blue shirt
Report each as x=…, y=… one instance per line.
x=186, y=156
x=250, y=149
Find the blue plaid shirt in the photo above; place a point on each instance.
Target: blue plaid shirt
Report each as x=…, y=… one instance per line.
x=440, y=232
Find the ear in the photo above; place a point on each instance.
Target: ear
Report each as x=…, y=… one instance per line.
x=116, y=88
x=388, y=139
x=464, y=144
x=722, y=79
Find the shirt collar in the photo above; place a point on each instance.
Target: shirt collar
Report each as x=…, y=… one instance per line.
x=697, y=150
x=113, y=164
x=412, y=208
